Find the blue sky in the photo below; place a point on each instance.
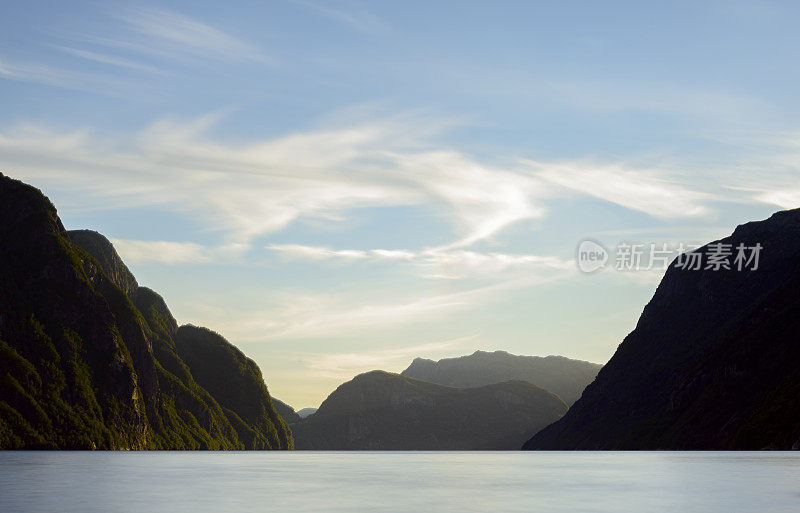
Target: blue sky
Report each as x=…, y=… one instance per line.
x=343, y=186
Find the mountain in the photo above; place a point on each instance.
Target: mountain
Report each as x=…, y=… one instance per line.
x=91, y=360
x=286, y=411
x=305, y=412
x=562, y=376
x=713, y=363
x=383, y=411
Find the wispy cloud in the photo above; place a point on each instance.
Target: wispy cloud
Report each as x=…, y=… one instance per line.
x=253, y=188
x=142, y=251
x=168, y=33
x=648, y=191
x=319, y=173
x=428, y=263
x=108, y=59
x=70, y=79
x=670, y=99
x=785, y=198
x=347, y=365
x=145, y=33
x=318, y=252
x=303, y=315
x=177, y=166
x=298, y=316
x=435, y=263
x=351, y=14
x=764, y=168
x=485, y=199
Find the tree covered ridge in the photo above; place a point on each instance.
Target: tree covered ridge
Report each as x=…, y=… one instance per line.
x=90, y=360
x=380, y=410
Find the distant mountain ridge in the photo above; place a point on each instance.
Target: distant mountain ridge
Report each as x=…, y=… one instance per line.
x=713, y=363
x=305, y=412
x=563, y=376
x=90, y=360
x=384, y=411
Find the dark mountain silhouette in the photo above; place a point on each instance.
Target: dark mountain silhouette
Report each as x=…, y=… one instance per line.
x=564, y=377
x=90, y=360
x=285, y=411
x=713, y=362
x=384, y=411
x=103, y=251
x=305, y=412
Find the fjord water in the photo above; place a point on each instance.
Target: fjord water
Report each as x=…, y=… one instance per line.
x=401, y=481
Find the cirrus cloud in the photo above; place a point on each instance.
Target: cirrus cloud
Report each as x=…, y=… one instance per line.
x=250, y=189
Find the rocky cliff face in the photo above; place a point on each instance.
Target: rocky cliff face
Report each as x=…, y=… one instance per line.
x=383, y=411
x=712, y=362
x=103, y=251
x=564, y=377
x=89, y=360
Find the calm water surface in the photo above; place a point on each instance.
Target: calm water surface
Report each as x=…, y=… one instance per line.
x=399, y=482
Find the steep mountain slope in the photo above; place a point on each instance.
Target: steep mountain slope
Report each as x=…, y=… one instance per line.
x=103, y=251
x=285, y=411
x=88, y=359
x=236, y=383
x=564, y=377
x=384, y=411
x=712, y=363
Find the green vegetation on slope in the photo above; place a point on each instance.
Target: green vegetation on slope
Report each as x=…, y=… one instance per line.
x=81, y=367
x=237, y=385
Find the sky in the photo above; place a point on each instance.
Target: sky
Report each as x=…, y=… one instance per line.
x=344, y=186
